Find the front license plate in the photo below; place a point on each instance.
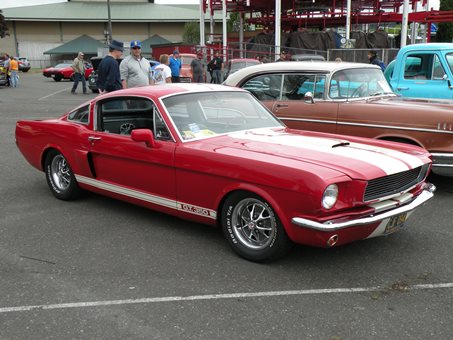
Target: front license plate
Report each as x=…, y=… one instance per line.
x=395, y=223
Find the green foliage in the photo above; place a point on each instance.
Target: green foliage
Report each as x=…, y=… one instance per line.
x=3, y=27
x=191, y=33
x=445, y=30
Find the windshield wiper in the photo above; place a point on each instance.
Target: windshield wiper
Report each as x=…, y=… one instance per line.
x=380, y=94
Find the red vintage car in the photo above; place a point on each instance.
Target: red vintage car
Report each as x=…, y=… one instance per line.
x=216, y=155
x=64, y=71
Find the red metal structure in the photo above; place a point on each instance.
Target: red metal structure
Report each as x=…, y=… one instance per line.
x=329, y=13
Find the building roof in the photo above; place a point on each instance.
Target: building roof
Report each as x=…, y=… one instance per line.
x=84, y=43
x=97, y=12
x=156, y=39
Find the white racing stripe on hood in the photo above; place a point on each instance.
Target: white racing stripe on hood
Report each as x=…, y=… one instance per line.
x=389, y=161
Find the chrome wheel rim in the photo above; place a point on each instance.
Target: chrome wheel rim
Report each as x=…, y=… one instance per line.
x=254, y=223
x=60, y=172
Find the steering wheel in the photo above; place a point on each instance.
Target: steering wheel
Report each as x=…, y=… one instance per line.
x=359, y=92
x=126, y=128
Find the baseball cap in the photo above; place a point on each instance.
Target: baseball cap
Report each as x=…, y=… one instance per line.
x=136, y=43
x=175, y=52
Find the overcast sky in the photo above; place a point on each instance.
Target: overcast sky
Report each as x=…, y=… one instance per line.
x=17, y=3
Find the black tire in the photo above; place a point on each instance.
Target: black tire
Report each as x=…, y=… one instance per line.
x=25, y=70
x=60, y=177
x=94, y=91
x=253, y=229
x=57, y=78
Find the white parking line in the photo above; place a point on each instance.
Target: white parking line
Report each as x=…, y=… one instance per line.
x=54, y=93
x=217, y=297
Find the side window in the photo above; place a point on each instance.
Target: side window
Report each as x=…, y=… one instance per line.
x=265, y=87
x=438, y=70
x=449, y=58
x=296, y=86
x=80, y=115
x=160, y=128
x=122, y=115
x=420, y=66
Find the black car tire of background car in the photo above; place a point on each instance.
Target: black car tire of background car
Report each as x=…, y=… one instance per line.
x=57, y=78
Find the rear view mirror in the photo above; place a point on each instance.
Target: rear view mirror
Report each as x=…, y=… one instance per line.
x=143, y=135
x=308, y=98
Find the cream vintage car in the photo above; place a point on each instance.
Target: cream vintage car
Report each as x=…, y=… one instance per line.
x=351, y=99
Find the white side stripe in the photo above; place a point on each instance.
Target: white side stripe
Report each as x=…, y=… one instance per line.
x=158, y=200
x=222, y=296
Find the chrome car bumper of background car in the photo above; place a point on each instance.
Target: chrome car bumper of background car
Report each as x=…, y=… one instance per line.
x=442, y=164
x=426, y=194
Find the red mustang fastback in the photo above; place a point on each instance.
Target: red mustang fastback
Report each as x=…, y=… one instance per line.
x=216, y=155
x=64, y=71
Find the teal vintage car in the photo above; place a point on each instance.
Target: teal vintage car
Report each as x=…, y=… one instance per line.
x=422, y=71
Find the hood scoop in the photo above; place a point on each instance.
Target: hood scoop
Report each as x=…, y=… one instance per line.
x=340, y=144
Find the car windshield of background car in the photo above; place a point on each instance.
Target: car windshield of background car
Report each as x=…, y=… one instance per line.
x=203, y=115
x=358, y=83
x=62, y=65
x=187, y=60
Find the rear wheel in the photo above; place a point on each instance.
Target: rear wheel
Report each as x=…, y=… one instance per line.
x=253, y=229
x=60, y=177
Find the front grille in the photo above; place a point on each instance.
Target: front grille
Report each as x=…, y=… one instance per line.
x=394, y=184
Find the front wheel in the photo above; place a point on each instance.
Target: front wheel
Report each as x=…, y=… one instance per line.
x=253, y=229
x=60, y=177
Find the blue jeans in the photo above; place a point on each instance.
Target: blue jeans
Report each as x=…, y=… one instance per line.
x=14, y=80
x=79, y=77
x=217, y=76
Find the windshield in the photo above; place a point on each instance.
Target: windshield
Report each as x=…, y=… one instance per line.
x=358, y=83
x=62, y=65
x=187, y=59
x=202, y=115
x=242, y=64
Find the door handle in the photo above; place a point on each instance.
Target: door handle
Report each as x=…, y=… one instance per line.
x=402, y=88
x=281, y=105
x=94, y=138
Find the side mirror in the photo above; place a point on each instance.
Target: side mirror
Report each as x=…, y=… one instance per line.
x=143, y=135
x=308, y=98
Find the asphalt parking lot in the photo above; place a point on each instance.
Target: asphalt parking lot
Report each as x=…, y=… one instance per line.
x=97, y=268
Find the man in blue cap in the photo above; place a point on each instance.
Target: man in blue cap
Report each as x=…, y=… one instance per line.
x=109, y=78
x=175, y=66
x=134, y=69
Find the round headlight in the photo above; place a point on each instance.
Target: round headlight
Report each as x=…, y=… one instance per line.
x=329, y=198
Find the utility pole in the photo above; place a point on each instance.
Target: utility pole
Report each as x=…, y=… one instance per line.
x=109, y=38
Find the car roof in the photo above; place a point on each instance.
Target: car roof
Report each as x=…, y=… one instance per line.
x=295, y=66
x=160, y=91
x=428, y=47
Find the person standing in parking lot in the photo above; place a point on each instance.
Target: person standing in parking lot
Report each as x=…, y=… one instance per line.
x=6, y=66
x=109, y=78
x=197, y=66
x=175, y=67
x=216, y=65
x=135, y=70
x=14, y=70
x=78, y=66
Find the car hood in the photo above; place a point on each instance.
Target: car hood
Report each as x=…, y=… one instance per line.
x=358, y=158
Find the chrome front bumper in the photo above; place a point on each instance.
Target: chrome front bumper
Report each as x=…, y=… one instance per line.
x=442, y=164
x=427, y=193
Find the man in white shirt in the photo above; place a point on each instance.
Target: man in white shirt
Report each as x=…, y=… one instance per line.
x=162, y=72
x=135, y=70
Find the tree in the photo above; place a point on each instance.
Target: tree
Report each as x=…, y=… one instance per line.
x=445, y=30
x=191, y=33
x=3, y=27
